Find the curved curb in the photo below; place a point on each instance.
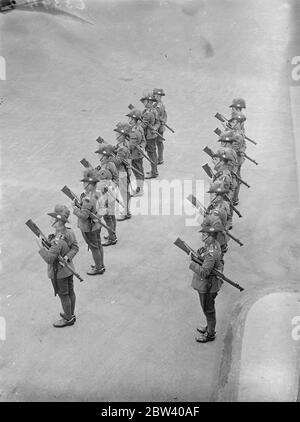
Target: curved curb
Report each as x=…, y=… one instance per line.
x=232, y=367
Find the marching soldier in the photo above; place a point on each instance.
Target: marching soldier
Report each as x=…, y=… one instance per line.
x=63, y=243
x=162, y=116
x=90, y=228
x=150, y=116
x=137, y=138
x=122, y=161
x=204, y=282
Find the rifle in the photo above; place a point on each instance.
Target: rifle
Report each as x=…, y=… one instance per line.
x=213, y=155
x=75, y=198
x=204, y=211
x=147, y=124
x=87, y=164
x=131, y=107
x=211, y=175
x=195, y=257
x=218, y=132
x=226, y=121
x=34, y=228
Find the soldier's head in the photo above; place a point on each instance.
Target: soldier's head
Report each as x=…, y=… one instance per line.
x=104, y=152
x=148, y=99
x=90, y=179
x=122, y=131
x=238, y=104
x=227, y=137
x=218, y=189
x=158, y=93
x=210, y=228
x=133, y=116
x=225, y=155
x=59, y=217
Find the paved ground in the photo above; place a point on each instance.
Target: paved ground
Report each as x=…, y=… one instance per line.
x=69, y=81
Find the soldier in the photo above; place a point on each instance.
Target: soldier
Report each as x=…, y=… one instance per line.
x=150, y=116
x=162, y=115
x=90, y=227
x=237, y=122
x=107, y=205
x=219, y=203
x=107, y=161
x=235, y=141
x=122, y=161
x=207, y=284
x=137, y=138
x=237, y=104
x=221, y=209
x=63, y=243
x=224, y=167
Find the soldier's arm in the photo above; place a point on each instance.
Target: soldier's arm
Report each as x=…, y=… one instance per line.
x=51, y=255
x=208, y=265
x=84, y=212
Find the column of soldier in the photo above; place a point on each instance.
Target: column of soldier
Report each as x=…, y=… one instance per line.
x=208, y=262
x=104, y=185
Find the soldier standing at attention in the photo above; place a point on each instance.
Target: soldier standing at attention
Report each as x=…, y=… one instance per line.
x=150, y=116
x=237, y=104
x=137, y=138
x=63, y=243
x=90, y=227
x=204, y=282
x=122, y=161
x=107, y=205
x=162, y=116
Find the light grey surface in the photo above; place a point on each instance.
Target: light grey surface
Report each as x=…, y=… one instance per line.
x=70, y=81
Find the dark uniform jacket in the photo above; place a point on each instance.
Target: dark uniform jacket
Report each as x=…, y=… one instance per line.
x=108, y=163
x=150, y=115
x=162, y=115
x=139, y=140
x=64, y=244
x=203, y=280
x=86, y=223
x=122, y=154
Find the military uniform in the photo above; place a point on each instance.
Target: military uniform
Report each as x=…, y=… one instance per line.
x=63, y=244
x=162, y=116
x=106, y=205
x=137, y=139
x=90, y=227
x=235, y=141
x=205, y=282
x=150, y=116
x=123, y=165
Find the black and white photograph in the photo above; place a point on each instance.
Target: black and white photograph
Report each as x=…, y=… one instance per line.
x=150, y=203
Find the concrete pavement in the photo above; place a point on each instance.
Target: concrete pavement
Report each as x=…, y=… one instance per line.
x=68, y=82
